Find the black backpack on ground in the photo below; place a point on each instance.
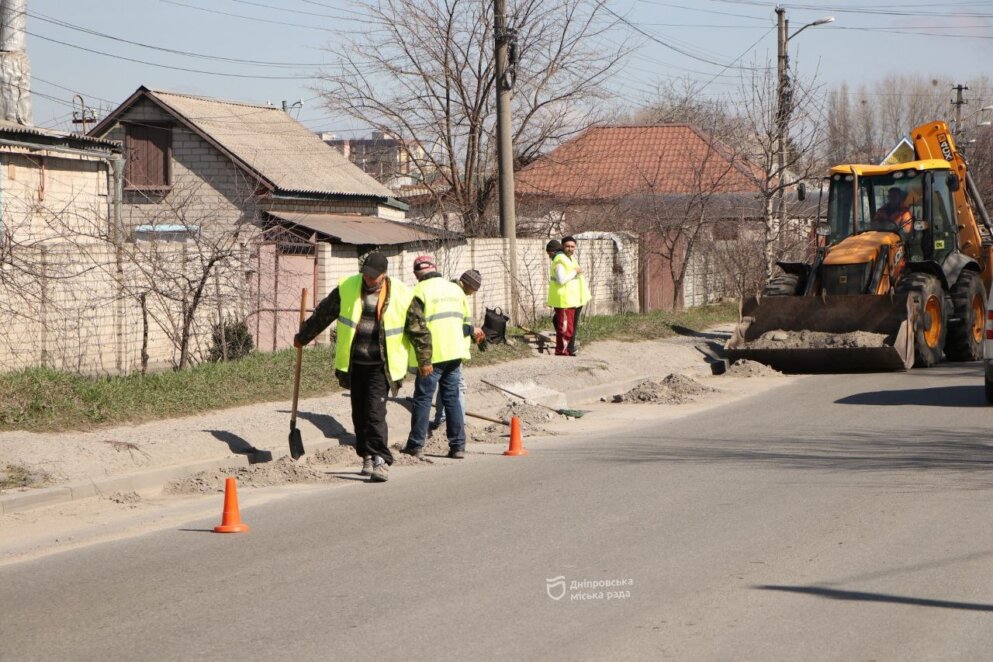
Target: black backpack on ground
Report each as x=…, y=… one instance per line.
x=495, y=325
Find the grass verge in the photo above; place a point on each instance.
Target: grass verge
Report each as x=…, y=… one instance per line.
x=44, y=400
x=655, y=325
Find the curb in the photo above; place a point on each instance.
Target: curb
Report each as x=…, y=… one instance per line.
x=157, y=478
x=137, y=482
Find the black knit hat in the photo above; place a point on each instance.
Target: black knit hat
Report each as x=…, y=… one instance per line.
x=553, y=245
x=374, y=265
x=472, y=279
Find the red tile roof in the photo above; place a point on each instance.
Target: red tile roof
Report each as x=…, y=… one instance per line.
x=615, y=161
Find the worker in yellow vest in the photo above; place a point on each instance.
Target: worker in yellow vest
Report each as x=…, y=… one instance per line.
x=377, y=331
x=569, y=248
x=446, y=312
x=470, y=281
x=567, y=292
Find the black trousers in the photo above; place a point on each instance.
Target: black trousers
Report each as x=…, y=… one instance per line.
x=575, y=332
x=369, y=390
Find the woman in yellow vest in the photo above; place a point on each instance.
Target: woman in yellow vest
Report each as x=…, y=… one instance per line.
x=377, y=329
x=567, y=293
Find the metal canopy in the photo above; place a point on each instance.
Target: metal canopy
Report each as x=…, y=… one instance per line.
x=356, y=230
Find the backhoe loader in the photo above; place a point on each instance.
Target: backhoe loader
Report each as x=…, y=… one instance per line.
x=905, y=253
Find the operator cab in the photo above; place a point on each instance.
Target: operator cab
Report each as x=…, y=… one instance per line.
x=912, y=199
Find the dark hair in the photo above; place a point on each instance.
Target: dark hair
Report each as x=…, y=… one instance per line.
x=569, y=238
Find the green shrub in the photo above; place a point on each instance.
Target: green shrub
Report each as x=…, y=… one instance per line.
x=237, y=338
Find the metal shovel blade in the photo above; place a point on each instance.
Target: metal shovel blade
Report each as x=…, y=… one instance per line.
x=296, y=443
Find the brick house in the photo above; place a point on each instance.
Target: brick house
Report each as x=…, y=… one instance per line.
x=686, y=195
x=59, y=306
x=299, y=211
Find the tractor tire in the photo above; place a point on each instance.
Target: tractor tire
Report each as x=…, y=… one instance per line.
x=783, y=285
x=965, y=335
x=932, y=321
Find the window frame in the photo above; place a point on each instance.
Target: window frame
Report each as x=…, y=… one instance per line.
x=167, y=165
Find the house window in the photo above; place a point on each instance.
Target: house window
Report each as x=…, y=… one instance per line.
x=148, y=149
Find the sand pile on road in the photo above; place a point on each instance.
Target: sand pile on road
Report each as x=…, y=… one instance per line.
x=780, y=339
x=673, y=390
x=746, y=368
x=281, y=472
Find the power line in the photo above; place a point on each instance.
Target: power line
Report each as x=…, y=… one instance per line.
x=165, y=66
x=220, y=58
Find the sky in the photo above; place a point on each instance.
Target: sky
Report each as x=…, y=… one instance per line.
x=708, y=41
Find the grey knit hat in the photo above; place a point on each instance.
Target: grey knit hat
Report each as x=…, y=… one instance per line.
x=472, y=279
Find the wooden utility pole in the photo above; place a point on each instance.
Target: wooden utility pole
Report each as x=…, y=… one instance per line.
x=782, y=109
x=506, y=48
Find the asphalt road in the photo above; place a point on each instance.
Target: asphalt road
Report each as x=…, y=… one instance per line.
x=839, y=517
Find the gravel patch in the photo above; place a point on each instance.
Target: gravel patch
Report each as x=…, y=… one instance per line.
x=780, y=339
x=746, y=368
x=673, y=390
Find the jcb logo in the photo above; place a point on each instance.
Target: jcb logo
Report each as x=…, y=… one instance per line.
x=946, y=149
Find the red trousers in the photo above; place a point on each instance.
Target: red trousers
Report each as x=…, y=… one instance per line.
x=564, y=321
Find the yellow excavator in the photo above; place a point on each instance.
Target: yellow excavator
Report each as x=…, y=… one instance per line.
x=903, y=265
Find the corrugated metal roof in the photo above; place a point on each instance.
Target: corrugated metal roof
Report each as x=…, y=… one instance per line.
x=269, y=142
x=8, y=128
x=357, y=230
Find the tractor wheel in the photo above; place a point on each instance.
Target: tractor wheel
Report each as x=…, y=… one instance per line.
x=965, y=335
x=931, y=326
x=783, y=285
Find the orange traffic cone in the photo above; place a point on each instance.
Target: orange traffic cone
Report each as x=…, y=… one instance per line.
x=231, y=520
x=516, y=445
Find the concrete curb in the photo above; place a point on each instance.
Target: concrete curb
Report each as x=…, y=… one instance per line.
x=157, y=478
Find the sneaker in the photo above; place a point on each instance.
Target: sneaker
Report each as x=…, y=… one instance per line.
x=380, y=472
x=413, y=451
x=456, y=454
x=366, y=466
x=434, y=425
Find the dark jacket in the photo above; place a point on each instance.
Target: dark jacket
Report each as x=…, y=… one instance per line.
x=415, y=328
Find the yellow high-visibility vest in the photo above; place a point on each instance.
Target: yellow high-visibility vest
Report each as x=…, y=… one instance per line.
x=393, y=321
x=446, y=311
x=574, y=293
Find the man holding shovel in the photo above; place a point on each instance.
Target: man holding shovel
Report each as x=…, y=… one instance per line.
x=375, y=324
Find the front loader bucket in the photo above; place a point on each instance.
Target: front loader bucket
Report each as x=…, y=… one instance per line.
x=891, y=315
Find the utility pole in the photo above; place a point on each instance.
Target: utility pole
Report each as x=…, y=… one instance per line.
x=506, y=59
x=782, y=108
x=15, y=67
x=958, y=103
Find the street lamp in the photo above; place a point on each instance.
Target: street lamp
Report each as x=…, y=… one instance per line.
x=784, y=100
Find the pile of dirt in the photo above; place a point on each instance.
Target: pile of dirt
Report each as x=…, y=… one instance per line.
x=281, y=472
x=780, y=339
x=129, y=499
x=673, y=390
x=531, y=416
x=746, y=368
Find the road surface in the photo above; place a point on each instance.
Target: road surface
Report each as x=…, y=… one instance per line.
x=837, y=517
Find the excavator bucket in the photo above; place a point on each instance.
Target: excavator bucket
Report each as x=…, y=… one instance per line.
x=800, y=334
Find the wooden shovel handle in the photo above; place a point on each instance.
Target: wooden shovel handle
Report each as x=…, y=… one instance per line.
x=296, y=377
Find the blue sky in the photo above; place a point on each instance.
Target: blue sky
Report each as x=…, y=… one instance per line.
x=673, y=40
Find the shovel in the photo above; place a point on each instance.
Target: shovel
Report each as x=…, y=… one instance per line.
x=296, y=440
x=487, y=418
x=571, y=413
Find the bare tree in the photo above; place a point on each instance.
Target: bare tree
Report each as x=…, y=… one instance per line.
x=804, y=139
x=863, y=125
x=424, y=71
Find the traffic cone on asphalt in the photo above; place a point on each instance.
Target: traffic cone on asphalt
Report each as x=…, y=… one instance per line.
x=231, y=519
x=516, y=444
